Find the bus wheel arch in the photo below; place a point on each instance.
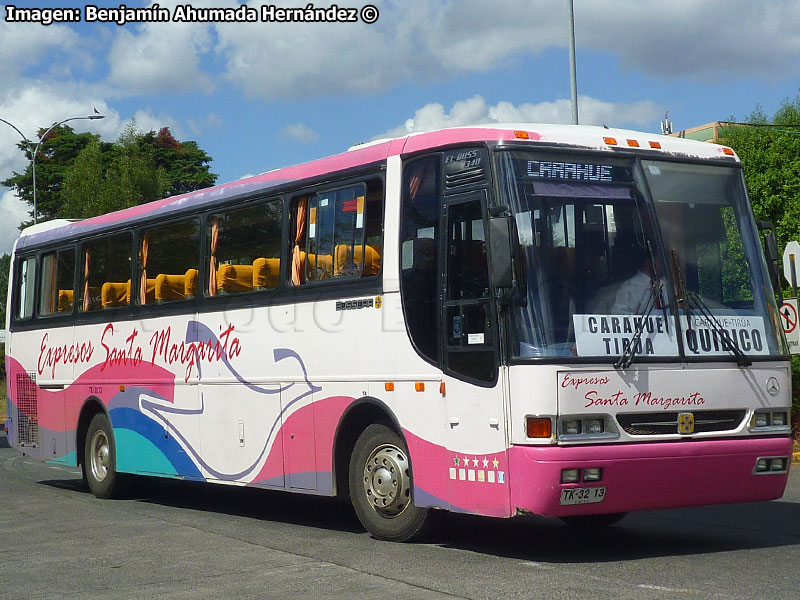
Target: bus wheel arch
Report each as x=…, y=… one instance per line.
x=358, y=416
x=91, y=406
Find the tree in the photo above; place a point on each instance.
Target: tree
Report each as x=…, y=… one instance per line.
x=57, y=152
x=119, y=176
x=770, y=153
x=185, y=163
x=79, y=176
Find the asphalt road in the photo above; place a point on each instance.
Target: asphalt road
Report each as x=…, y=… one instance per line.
x=175, y=541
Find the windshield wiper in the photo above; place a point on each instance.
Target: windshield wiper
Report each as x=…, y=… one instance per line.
x=626, y=359
x=655, y=296
x=741, y=358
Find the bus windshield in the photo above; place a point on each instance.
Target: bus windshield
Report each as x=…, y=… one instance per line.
x=617, y=255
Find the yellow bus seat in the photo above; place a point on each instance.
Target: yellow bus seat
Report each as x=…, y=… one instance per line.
x=265, y=273
x=348, y=260
x=190, y=283
x=66, y=298
x=320, y=266
x=170, y=287
x=232, y=279
x=115, y=294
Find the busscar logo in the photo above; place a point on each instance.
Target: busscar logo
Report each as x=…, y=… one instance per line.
x=355, y=304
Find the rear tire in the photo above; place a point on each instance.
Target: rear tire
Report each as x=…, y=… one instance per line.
x=380, y=482
x=100, y=459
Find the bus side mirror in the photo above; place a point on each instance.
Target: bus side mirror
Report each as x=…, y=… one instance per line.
x=501, y=249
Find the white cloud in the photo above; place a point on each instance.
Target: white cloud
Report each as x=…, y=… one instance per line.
x=12, y=212
x=475, y=111
x=27, y=44
x=431, y=40
x=300, y=132
x=158, y=57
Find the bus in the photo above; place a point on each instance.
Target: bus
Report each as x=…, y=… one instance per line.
x=568, y=321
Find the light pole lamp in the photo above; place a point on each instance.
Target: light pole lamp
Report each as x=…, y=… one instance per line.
x=36, y=151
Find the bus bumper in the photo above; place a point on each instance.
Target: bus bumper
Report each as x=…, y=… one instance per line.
x=647, y=476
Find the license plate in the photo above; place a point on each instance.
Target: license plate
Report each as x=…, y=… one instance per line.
x=582, y=495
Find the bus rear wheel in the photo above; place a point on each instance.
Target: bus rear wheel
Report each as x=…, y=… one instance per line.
x=99, y=459
x=380, y=484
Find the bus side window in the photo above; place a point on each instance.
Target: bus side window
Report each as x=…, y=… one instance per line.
x=106, y=268
x=244, y=249
x=169, y=263
x=27, y=284
x=337, y=233
x=57, y=280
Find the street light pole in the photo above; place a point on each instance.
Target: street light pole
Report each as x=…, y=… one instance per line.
x=36, y=151
x=573, y=71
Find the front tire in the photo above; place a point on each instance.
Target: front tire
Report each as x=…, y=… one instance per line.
x=380, y=486
x=100, y=459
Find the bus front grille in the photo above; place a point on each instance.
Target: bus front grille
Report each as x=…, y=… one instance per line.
x=27, y=409
x=662, y=423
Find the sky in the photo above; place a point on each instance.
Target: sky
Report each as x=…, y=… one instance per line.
x=261, y=95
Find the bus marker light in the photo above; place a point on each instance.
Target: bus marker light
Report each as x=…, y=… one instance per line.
x=121, y=388
x=389, y=386
x=442, y=388
x=570, y=475
x=419, y=386
x=655, y=145
x=633, y=143
x=521, y=135
x=728, y=152
x=592, y=474
x=538, y=427
x=610, y=141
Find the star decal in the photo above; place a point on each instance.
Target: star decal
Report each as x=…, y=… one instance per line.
x=485, y=462
x=474, y=462
x=495, y=463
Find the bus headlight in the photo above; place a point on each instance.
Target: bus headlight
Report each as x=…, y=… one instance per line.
x=586, y=428
x=770, y=420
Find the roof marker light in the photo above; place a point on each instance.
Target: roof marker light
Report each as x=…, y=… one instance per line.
x=656, y=145
x=610, y=141
x=521, y=135
x=633, y=143
x=728, y=152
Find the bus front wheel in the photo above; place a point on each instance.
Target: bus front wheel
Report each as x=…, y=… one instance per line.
x=99, y=459
x=380, y=486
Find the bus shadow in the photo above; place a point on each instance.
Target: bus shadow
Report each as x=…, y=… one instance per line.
x=260, y=504
x=648, y=534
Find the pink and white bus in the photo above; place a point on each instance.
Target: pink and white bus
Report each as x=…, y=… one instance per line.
x=575, y=322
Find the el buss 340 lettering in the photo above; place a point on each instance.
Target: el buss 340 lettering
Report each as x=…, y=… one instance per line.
x=413, y=417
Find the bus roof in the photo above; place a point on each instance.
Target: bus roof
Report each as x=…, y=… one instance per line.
x=573, y=136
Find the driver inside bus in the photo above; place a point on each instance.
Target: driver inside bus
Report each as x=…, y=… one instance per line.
x=634, y=293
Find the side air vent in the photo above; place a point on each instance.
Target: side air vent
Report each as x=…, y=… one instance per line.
x=465, y=168
x=27, y=402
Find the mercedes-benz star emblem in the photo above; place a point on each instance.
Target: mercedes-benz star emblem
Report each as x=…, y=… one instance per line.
x=773, y=387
